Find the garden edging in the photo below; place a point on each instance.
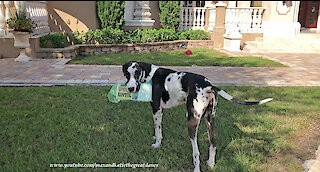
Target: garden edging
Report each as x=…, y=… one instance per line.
x=93, y=49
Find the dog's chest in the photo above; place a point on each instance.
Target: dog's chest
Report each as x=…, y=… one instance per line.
x=174, y=88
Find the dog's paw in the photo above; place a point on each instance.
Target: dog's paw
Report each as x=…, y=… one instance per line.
x=197, y=169
x=156, y=145
x=210, y=164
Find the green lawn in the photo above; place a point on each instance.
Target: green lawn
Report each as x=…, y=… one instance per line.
x=200, y=57
x=77, y=124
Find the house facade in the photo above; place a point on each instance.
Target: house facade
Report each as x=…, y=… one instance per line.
x=253, y=19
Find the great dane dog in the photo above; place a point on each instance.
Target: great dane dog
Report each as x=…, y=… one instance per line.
x=171, y=88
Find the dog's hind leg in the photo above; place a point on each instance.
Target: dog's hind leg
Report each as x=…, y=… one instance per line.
x=157, y=119
x=210, y=112
x=193, y=124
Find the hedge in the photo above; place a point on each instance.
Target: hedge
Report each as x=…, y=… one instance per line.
x=117, y=36
x=169, y=14
x=110, y=14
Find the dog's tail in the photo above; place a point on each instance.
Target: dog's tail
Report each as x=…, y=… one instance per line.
x=232, y=99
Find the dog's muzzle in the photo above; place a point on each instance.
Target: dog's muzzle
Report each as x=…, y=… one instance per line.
x=133, y=89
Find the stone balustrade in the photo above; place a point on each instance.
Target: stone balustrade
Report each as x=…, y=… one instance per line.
x=245, y=19
x=36, y=10
x=192, y=18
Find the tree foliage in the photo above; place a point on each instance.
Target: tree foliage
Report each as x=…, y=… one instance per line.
x=110, y=14
x=169, y=14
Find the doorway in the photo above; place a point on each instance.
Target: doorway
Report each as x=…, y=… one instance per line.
x=308, y=13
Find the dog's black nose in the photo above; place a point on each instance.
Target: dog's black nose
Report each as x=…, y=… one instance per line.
x=131, y=89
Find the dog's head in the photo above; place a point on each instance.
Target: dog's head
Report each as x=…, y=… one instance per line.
x=136, y=73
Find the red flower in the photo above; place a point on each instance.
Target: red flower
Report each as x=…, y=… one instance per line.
x=188, y=52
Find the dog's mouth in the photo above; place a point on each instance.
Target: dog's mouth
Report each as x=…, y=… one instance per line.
x=133, y=89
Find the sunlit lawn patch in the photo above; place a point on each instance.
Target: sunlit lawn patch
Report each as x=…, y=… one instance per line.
x=200, y=57
x=44, y=125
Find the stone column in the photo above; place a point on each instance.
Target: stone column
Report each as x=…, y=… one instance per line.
x=141, y=16
x=206, y=23
x=219, y=28
x=2, y=20
x=8, y=7
x=20, y=6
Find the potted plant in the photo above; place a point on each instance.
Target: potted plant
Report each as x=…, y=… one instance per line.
x=21, y=27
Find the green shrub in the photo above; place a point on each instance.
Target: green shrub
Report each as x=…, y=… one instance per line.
x=117, y=36
x=21, y=23
x=110, y=14
x=169, y=14
x=57, y=40
x=193, y=35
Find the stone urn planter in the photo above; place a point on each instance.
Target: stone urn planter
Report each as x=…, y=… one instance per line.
x=22, y=26
x=21, y=41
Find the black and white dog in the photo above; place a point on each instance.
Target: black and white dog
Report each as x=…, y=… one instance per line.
x=171, y=88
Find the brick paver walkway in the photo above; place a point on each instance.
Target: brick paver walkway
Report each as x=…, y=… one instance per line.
x=303, y=70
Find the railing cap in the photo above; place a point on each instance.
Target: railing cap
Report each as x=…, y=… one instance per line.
x=246, y=8
x=220, y=4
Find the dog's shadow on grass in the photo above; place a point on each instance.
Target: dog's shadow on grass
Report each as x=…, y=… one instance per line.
x=243, y=135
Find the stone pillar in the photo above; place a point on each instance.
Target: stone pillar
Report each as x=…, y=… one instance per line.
x=206, y=23
x=21, y=6
x=219, y=28
x=140, y=17
x=2, y=20
x=8, y=7
x=243, y=3
x=232, y=40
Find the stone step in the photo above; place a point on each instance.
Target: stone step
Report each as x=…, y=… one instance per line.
x=278, y=50
x=308, y=36
x=289, y=41
x=288, y=45
x=301, y=43
x=285, y=44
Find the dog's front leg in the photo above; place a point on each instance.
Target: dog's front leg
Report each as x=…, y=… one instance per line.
x=157, y=119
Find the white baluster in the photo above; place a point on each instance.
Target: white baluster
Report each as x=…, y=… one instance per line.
x=254, y=21
x=226, y=20
x=202, y=19
x=259, y=20
x=249, y=20
x=186, y=18
x=242, y=23
x=198, y=18
x=181, y=19
x=194, y=19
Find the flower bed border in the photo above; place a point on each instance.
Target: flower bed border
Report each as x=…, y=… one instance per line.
x=92, y=49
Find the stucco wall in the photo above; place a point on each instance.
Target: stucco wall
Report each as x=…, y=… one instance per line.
x=155, y=12
x=7, y=49
x=250, y=37
x=271, y=13
x=70, y=16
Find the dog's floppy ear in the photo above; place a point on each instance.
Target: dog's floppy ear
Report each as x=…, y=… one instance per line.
x=146, y=67
x=125, y=66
